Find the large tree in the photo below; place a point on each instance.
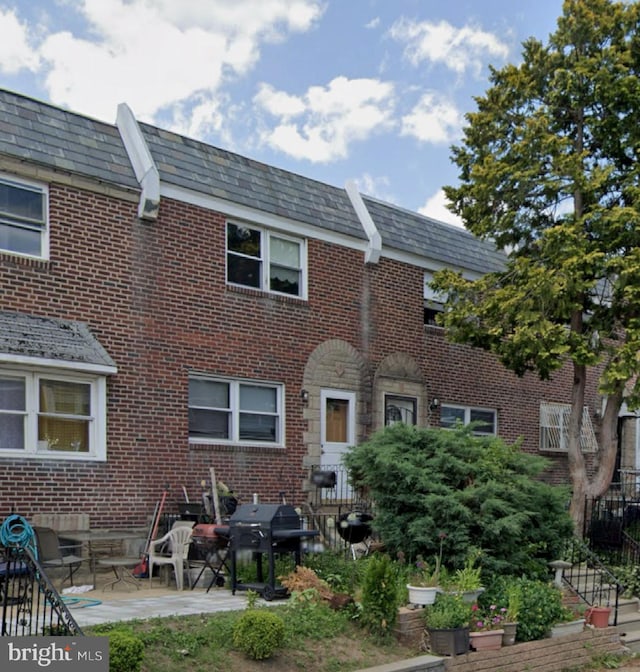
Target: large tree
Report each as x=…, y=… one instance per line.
x=549, y=170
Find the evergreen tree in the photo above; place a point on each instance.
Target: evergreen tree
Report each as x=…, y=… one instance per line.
x=549, y=170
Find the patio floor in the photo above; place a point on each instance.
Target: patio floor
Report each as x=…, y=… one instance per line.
x=124, y=602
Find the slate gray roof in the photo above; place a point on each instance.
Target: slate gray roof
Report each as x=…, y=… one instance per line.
x=38, y=132
x=50, y=136
x=48, y=338
x=452, y=246
x=191, y=164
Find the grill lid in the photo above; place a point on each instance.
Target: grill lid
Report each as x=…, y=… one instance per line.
x=266, y=516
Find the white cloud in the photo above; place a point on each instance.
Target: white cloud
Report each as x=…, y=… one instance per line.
x=155, y=53
x=15, y=52
x=377, y=187
x=436, y=208
x=374, y=23
x=321, y=124
x=434, y=119
x=459, y=49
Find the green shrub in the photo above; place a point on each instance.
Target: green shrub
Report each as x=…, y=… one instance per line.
x=540, y=605
x=477, y=491
x=126, y=652
x=259, y=633
x=448, y=611
x=381, y=593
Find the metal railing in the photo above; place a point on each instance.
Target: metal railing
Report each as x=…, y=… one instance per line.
x=31, y=606
x=590, y=579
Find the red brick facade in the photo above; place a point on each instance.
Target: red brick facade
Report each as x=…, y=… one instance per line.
x=155, y=296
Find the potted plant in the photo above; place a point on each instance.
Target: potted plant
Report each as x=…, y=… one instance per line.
x=486, y=628
x=424, y=581
x=447, y=624
x=510, y=623
x=467, y=581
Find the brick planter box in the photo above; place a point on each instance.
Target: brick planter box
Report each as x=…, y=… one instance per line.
x=543, y=655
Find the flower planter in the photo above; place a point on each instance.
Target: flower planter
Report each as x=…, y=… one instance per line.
x=422, y=595
x=487, y=640
x=509, y=636
x=569, y=628
x=449, y=641
x=598, y=617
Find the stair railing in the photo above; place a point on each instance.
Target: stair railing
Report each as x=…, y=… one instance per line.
x=590, y=579
x=30, y=604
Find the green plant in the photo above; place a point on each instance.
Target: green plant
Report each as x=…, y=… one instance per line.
x=381, y=595
x=514, y=602
x=470, y=576
x=489, y=618
x=448, y=611
x=481, y=491
x=540, y=608
x=126, y=652
x=259, y=633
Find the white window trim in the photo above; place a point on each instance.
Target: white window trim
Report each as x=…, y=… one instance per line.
x=467, y=416
x=265, y=247
x=97, y=424
x=44, y=238
x=234, y=403
x=554, y=419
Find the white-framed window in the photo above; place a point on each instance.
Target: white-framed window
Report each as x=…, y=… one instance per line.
x=554, y=425
x=400, y=409
x=235, y=411
x=265, y=260
x=433, y=301
x=52, y=415
x=23, y=217
x=484, y=419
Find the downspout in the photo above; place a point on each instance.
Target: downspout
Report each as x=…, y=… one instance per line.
x=142, y=162
x=372, y=255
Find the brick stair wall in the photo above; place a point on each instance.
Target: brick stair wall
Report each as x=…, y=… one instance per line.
x=543, y=655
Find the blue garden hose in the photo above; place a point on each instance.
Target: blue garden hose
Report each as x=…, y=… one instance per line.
x=16, y=531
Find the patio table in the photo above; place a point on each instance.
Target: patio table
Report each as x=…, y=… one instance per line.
x=95, y=540
x=120, y=567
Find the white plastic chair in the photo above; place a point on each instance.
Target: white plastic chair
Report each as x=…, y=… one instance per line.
x=171, y=549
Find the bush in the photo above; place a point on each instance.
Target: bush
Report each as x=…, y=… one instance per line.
x=126, y=652
x=258, y=633
x=477, y=491
x=540, y=608
x=381, y=594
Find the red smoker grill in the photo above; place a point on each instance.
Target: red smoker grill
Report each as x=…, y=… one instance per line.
x=265, y=529
x=210, y=545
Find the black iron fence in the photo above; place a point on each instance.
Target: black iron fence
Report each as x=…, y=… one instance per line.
x=590, y=578
x=31, y=606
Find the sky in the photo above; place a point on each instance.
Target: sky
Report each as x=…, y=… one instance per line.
x=373, y=91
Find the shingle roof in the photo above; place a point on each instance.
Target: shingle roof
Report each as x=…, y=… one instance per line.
x=38, y=132
x=446, y=244
x=48, y=338
x=195, y=165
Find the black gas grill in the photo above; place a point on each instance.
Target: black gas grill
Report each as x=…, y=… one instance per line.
x=269, y=529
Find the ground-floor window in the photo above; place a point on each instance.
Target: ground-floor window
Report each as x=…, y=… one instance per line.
x=235, y=411
x=483, y=419
x=52, y=414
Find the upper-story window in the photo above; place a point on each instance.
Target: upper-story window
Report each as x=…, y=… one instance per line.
x=433, y=301
x=23, y=218
x=235, y=411
x=265, y=260
x=484, y=419
x=52, y=415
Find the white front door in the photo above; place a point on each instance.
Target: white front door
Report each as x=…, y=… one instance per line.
x=338, y=430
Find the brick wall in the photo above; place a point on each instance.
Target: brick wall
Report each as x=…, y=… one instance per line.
x=154, y=294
